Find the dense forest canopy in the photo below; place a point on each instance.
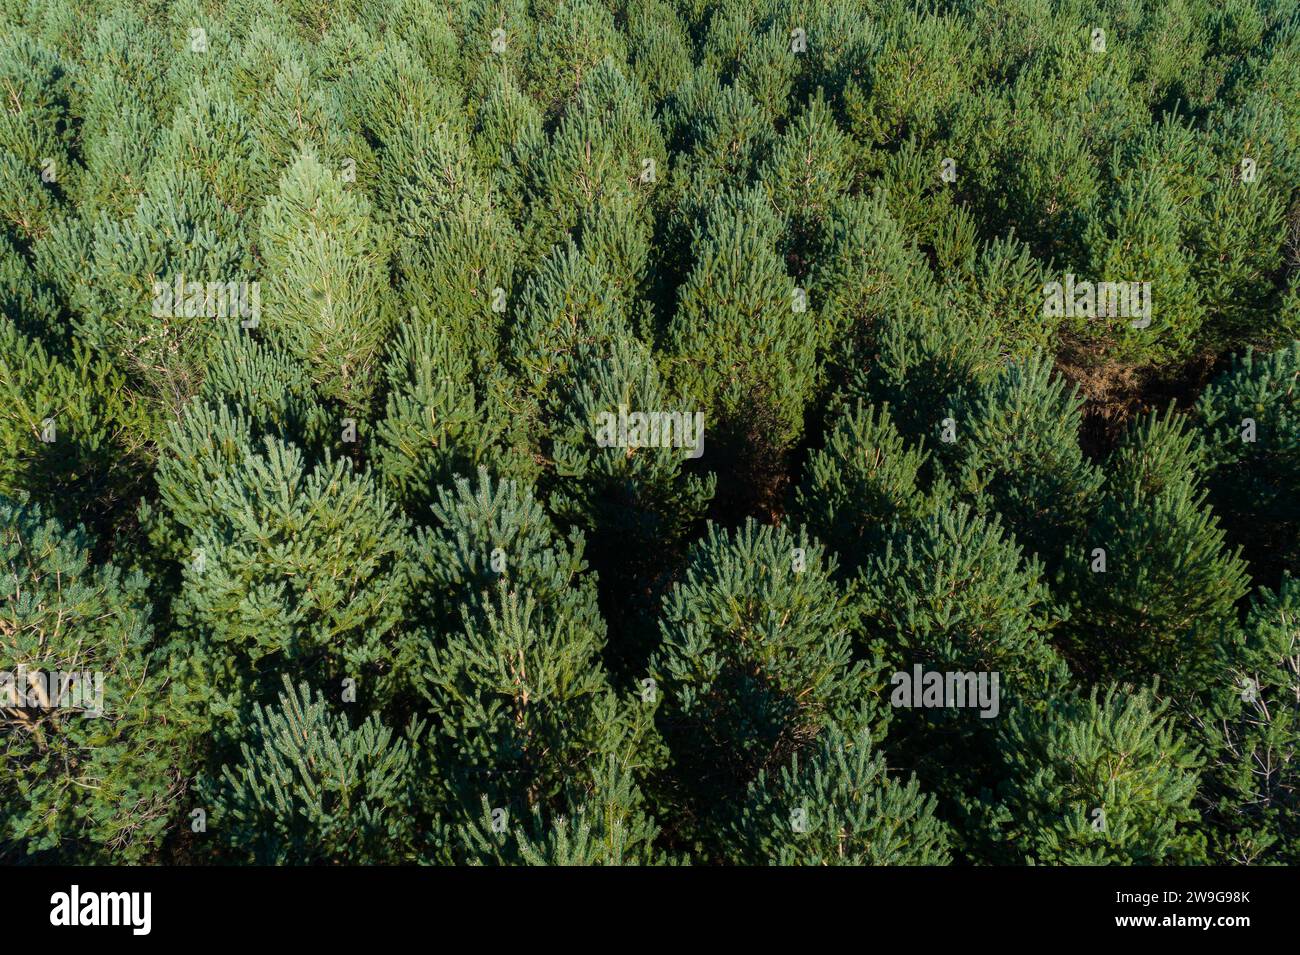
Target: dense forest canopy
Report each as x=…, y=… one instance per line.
x=650, y=431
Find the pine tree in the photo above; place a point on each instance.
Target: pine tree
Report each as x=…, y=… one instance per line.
x=1152, y=584
x=918, y=198
x=456, y=247
x=265, y=383
x=490, y=531
x=1095, y=780
x=606, y=825
x=839, y=807
x=741, y=348
x=658, y=47
x=1252, y=737
x=26, y=301
x=605, y=148
x=119, y=276
x=953, y=591
x=508, y=137
x=71, y=435
x=435, y=428
x=634, y=505
x=1239, y=231
x=1239, y=242
x=522, y=701
x=479, y=241
x=569, y=43
x=744, y=48
x=1140, y=240
x=1017, y=455
x=861, y=486
x=1000, y=284
x=1028, y=168
x=912, y=70
x=35, y=138
x=94, y=766
x=921, y=360
x=868, y=268
x=756, y=660
x=295, y=111
x=641, y=496
x=325, y=260
x=952, y=594
x=809, y=170
x=427, y=27
x=496, y=36
x=312, y=789
x=391, y=95
x=209, y=136
x=566, y=313
x=724, y=136
x=283, y=564
x=125, y=99
x=509, y=657
x=1250, y=419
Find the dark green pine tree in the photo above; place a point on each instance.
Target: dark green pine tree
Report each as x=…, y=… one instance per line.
x=1096, y=780
x=565, y=313
x=569, y=43
x=658, y=46
x=642, y=496
x=1151, y=585
x=284, y=563
x=36, y=134
x=270, y=387
x=28, y=302
x=92, y=775
x=867, y=269
x=756, y=661
x=1240, y=229
x=508, y=138
x=915, y=66
x=606, y=150
x=921, y=359
x=1140, y=240
x=309, y=788
x=509, y=662
x=71, y=433
x=810, y=169
x=1017, y=455
x=435, y=426
x=1251, y=727
x=635, y=505
x=861, y=486
x=837, y=806
x=117, y=275
x=119, y=116
x=607, y=824
x=211, y=136
x=456, y=245
x=742, y=348
x=393, y=98
x=746, y=48
x=1027, y=168
x=1000, y=284
x=721, y=136
x=953, y=594
x=1250, y=418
